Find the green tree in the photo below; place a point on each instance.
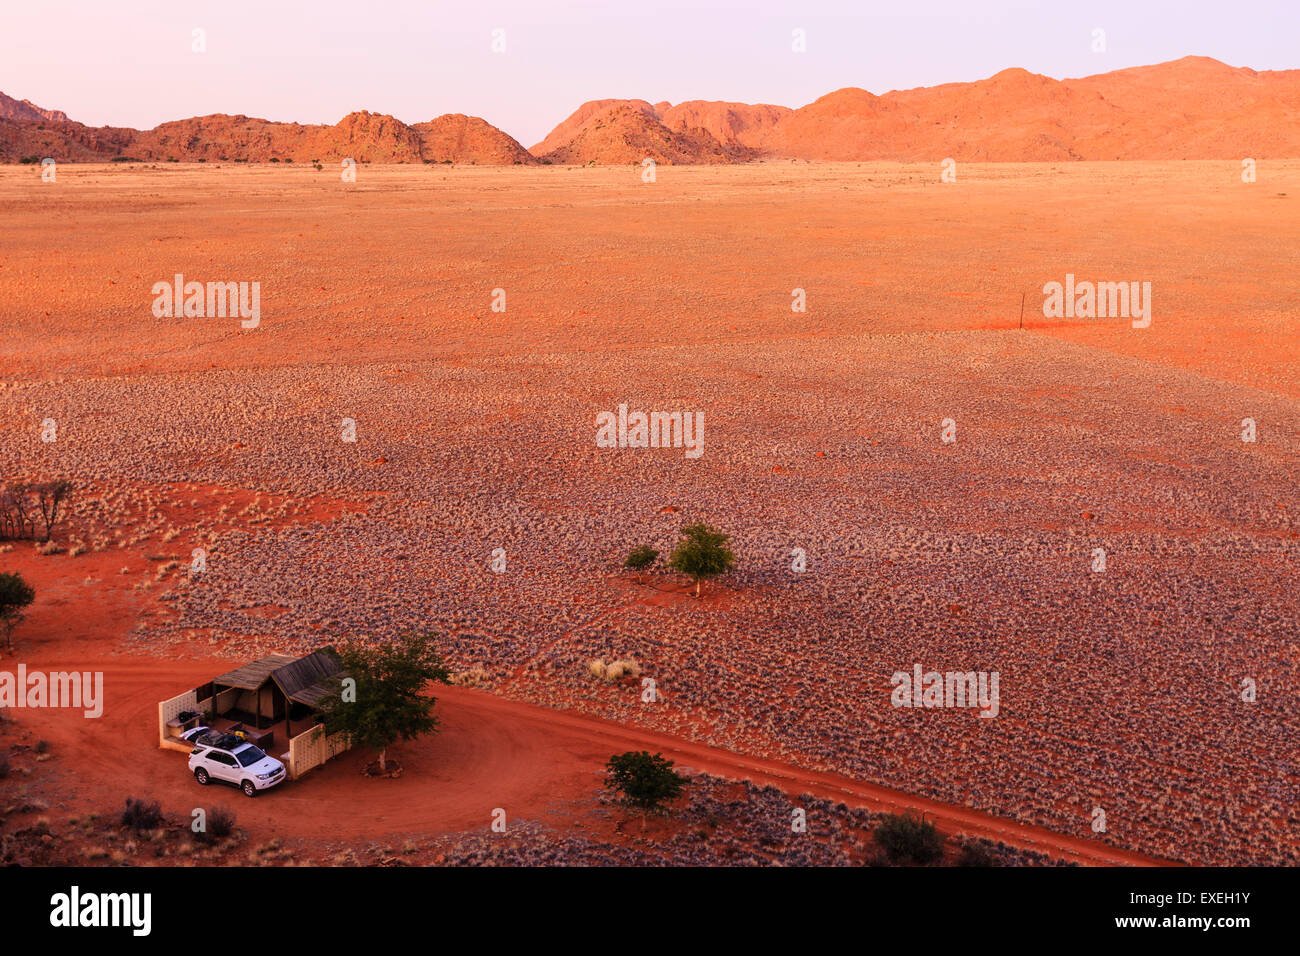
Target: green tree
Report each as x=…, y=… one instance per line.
x=702, y=553
x=15, y=595
x=641, y=557
x=381, y=696
x=645, y=781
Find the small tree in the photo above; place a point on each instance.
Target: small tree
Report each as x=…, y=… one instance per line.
x=49, y=497
x=909, y=839
x=646, y=782
x=702, y=553
x=15, y=595
x=8, y=515
x=641, y=558
x=19, y=513
x=385, y=702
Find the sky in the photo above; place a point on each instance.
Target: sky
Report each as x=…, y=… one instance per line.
x=132, y=62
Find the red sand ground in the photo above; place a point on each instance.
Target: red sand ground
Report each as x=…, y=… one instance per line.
x=400, y=269
x=402, y=266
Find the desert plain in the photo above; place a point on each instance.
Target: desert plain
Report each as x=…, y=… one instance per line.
x=1121, y=690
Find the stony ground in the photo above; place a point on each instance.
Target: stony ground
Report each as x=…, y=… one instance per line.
x=1119, y=689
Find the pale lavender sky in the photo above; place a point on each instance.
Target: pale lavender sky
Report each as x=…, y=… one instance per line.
x=129, y=63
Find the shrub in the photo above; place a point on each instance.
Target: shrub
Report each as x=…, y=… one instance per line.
x=4, y=766
x=976, y=854
x=641, y=557
x=42, y=746
x=29, y=160
x=908, y=839
x=622, y=668
x=471, y=678
x=140, y=816
x=614, y=670
x=644, y=782
x=15, y=595
x=221, y=823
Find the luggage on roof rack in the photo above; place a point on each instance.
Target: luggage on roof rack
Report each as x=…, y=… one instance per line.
x=222, y=741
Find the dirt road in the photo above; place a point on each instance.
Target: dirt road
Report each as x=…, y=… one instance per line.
x=535, y=763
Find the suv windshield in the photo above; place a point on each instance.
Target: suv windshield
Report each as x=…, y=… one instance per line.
x=249, y=756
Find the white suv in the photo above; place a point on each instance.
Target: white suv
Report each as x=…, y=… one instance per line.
x=227, y=758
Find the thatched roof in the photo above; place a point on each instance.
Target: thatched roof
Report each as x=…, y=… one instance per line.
x=309, y=679
x=306, y=680
x=254, y=675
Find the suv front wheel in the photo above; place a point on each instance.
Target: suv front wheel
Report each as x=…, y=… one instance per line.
x=249, y=789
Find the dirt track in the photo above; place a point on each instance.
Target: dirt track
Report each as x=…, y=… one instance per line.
x=491, y=752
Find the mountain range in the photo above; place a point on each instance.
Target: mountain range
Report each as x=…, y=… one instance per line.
x=1192, y=108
